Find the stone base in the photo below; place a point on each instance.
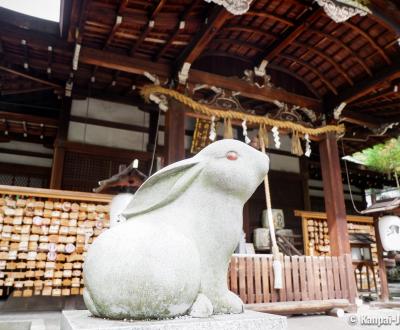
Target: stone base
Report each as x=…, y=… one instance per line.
x=83, y=320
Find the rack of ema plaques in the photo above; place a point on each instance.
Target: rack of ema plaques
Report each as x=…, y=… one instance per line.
x=317, y=243
x=44, y=238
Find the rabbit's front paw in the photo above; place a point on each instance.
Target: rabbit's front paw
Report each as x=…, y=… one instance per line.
x=202, y=307
x=228, y=303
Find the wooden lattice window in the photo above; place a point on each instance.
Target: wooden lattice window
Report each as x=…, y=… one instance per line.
x=82, y=172
x=24, y=175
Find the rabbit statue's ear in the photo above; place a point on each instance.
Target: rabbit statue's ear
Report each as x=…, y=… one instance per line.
x=164, y=186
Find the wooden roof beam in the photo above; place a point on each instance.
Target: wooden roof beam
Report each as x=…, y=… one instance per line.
x=150, y=24
x=340, y=43
x=84, y=10
x=118, y=21
x=249, y=29
x=30, y=77
x=180, y=25
x=266, y=94
x=312, y=69
x=280, y=44
x=370, y=40
x=213, y=24
x=138, y=66
x=327, y=59
x=365, y=86
x=360, y=119
x=271, y=17
x=371, y=97
x=382, y=105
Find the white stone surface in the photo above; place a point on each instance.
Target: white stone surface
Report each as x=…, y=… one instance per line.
x=82, y=320
x=117, y=205
x=182, y=227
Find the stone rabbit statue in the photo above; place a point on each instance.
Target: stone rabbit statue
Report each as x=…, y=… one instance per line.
x=171, y=256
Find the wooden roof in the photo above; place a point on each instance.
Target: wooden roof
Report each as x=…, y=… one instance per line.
x=313, y=61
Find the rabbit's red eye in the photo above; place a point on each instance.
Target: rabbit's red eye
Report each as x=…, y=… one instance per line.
x=232, y=155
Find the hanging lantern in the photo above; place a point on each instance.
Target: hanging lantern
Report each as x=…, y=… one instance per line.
x=389, y=231
x=235, y=7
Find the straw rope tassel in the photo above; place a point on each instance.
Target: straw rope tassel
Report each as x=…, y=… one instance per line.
x=277, y=265
x=148, y=90
x=228, y=131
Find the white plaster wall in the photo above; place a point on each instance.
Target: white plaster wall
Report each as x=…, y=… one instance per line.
x=284, y=163
x=25, y=160
x=105, y=136
x=26, y=146
x=320, y=193
x=110, y=111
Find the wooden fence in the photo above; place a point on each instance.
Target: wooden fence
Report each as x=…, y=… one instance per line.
x=305, y=278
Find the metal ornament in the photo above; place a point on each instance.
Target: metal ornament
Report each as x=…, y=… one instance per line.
x=342, y=10
x=235, y=7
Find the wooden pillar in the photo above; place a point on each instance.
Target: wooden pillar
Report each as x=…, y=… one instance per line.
x=334, y=197
x=174, y=139
x=384, y=294
x=304, y=173
x=59, y=145
x=152, y=130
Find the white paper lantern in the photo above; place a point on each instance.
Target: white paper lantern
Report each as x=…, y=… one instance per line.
x=389, y=231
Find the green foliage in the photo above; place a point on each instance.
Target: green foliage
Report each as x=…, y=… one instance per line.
x=383, y=158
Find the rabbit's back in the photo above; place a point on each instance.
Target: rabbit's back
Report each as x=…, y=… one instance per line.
x=142, y=269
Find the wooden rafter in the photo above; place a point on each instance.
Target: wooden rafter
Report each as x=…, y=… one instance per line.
x=137, y=66
x=266, y=94
x=360, y=119
x=382, y=105
x=371, y=97
x=370, y=40
x=110, y=60
x=310, y=87
x=120, y=10
x=249, y=29
x=340, y=43
x=365, y=86
x=213, y=24
x=237, y=42
x=30, y=77
x=272, y=17
x=25, y=90
x=327, y=58
x=312, y=69
x=287, y=38
x=178, y=27
x=150, y=24
x=84, y=10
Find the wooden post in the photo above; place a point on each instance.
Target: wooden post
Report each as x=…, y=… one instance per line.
x=174, y=140
x=333, y=194
x=384, y=294
x=304, y=179
x=152, y=130
x=59, y=145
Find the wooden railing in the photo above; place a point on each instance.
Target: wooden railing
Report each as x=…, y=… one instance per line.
x=305, y=278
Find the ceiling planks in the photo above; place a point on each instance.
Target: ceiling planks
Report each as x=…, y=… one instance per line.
x=212, y=25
